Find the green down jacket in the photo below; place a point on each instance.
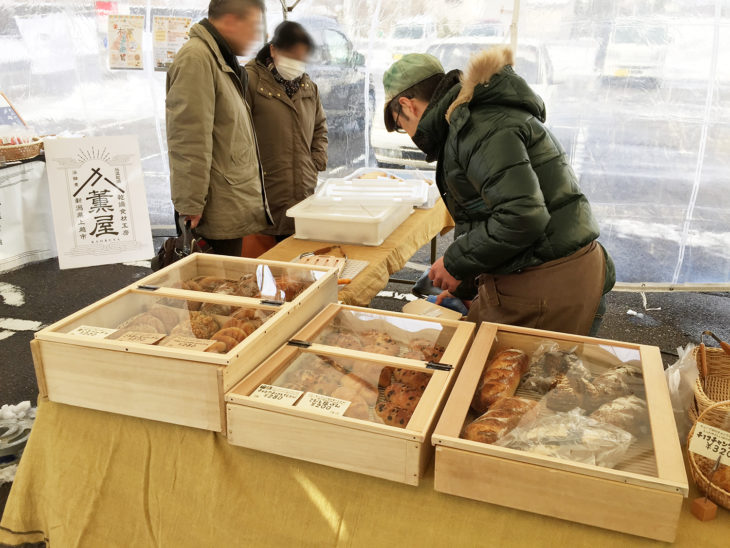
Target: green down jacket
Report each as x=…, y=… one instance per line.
x=503, y=175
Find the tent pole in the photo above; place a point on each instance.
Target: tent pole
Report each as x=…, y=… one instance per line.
x=513, y=26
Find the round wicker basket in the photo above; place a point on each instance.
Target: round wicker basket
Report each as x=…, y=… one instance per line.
x=718, y=490
x=714, y=385
x=25, y=151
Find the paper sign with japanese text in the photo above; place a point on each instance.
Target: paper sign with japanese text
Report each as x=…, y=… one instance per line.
x=711, y=442
x=276, y=395
x=324, y=405
x=125, y=41
x=140, y=337
x=98, y=201
x=92, y=331
x=168, y=36
x=187, y=343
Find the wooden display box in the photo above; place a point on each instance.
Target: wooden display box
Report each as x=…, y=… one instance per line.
x=178, y=385
x=642, y=495
x=365, y=445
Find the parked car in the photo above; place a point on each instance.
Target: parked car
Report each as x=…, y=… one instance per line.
x=636, y=51
x=412, y=35
x=339, y=72
x=532, y=63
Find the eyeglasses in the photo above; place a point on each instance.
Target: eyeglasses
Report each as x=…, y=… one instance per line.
x=398, y=129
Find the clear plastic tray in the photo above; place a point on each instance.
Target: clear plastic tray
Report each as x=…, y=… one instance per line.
x=377, y=191
x=346, y=222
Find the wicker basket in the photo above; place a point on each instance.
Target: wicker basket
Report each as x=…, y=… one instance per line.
x=717, y=415
x=713, y=385
x=25, y=151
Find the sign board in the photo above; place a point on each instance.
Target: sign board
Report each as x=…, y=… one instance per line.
x=98, y=201
x=8, y=115
x=168, y=36
x=125, y=41
x=276, y=395
x=323, y=405
x=26, y=224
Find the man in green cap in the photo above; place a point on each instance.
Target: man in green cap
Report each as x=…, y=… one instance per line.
x=525, y=234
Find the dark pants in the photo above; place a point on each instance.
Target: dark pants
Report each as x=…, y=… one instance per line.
x=232, y=247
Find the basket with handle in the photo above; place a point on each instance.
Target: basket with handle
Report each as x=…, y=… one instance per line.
x=714, y=481
x=23, y=151
x=713, y=381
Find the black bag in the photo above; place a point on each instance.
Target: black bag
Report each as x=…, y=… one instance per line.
x=179, y=247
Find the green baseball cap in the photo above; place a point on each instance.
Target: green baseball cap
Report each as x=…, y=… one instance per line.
x=406, y=72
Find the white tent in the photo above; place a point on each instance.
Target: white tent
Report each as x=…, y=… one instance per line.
x=634, y=92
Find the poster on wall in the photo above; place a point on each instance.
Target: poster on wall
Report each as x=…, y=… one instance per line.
x=98, y=199
x=26, y=225
x=125, y=41
x=169, y=34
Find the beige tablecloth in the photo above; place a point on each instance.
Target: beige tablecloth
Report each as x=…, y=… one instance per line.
x=389, y=257
x=94, y=479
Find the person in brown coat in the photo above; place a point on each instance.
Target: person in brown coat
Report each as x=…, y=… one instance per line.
x=216, y=180
x=290, y=123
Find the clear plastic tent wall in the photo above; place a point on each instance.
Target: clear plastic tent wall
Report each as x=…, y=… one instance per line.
x=636, y=92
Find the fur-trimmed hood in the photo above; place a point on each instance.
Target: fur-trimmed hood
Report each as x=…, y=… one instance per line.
x=510, y=90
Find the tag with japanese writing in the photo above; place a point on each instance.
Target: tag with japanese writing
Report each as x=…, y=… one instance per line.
x=141, y=337
x=91, y=331
x=187, y=343
x=711, y=442
x=324, y=405
x=276, y=395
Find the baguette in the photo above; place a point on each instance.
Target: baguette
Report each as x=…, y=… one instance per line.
x=501, y=418
x=500, y=379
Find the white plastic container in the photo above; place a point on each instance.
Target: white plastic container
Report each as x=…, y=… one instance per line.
x=346, y=223
x=400, y=174
x=374, y=192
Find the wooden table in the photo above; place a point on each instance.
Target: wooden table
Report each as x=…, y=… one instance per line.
x=91, y=479
x=389, y=257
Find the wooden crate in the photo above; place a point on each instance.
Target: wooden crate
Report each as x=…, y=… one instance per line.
x=173, y=385
x=641, y=496
x=364, y=446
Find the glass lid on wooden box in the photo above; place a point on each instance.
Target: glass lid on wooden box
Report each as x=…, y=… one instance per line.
x=399, y=336
x=346, y=387
x=579, y=402
x=239, y=278
x=171, y=322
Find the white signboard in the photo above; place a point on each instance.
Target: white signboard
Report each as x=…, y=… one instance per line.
x=711, y=442
x=276, y=395
x=26, y=225
x=168, y=36
x=98, y=200
x=125, y=41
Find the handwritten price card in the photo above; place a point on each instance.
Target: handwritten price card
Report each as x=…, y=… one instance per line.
x=91, y=331
x=276, y=395
x=711, y=442
x=324, y=405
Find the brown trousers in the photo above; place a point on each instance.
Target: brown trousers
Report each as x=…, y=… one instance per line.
x=561, y=295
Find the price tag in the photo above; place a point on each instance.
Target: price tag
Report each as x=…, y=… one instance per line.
x=141, y=337
x=276, y=395
x=324, y=405
x=91, y=331
x=711, y=442
x=187, y=343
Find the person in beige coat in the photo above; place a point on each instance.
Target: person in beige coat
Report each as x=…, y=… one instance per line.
x=216, y=178
x=289, y=120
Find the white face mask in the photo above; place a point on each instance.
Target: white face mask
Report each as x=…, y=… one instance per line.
x=290, y=69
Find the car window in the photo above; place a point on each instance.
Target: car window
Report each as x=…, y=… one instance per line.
x=338, y=46
x=317, y=56
x=411, y=32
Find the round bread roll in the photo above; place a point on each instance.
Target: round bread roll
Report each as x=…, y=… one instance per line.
x=403, y=396
x=392, y=415
x=414, y=379
x=167, y=316
x=358, y=408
